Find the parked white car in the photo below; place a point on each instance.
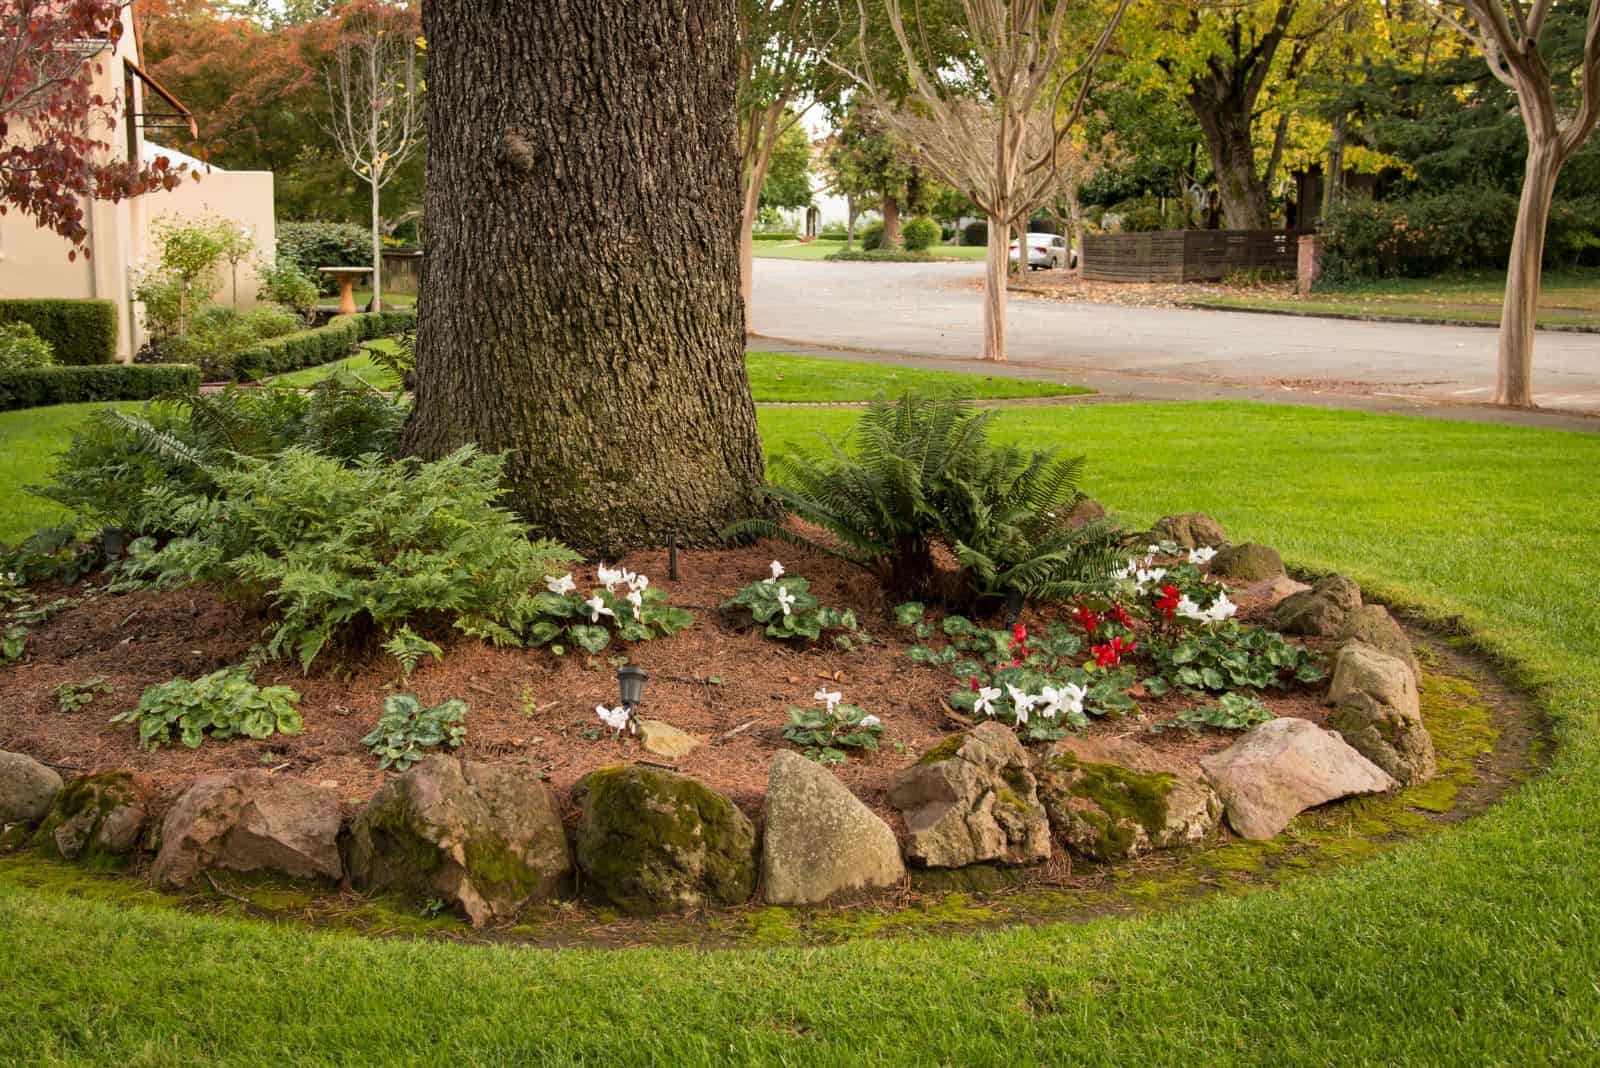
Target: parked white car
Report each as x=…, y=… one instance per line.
x=1046, y=251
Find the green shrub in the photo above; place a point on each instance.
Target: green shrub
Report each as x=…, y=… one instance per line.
x=80, y=332
x=975, y=232
x=882, y=255
x=272, y=320
x=921, y=233
x=114, y=457
x=35, y=387
x=1464, y=229
x=920, y=473
x=284, y=282
x=325, y=344
x=759, y=238
x=221, y=705
x=406, y=728
x=350, y=554
x=871, y=235
x=21, y=346
x=309, y=245
x=834, y=231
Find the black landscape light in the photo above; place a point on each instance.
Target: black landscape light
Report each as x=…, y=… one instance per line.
x=631, y=679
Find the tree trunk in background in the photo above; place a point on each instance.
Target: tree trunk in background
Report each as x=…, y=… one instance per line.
x=850, y=223
x=891, y=223
x=1233, y=159
x=1519, y=314
x=582, y=310
x=376, y=303
x=1333, y=183
x=994, y=289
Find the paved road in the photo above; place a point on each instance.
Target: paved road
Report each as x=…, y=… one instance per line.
x=934, y=310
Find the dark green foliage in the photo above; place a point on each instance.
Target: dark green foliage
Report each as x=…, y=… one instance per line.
x=826, y=733
x=806, y=617
x=82, y=332
x=921, y=233
x=871, y=235
x=21, y=347
x=177, y=442
x=406, y=728
x=35, y=387
x=759, y=238
x=923, y=473
x=1419, y=236
x=220, y=705
x=1232, y=712
x=975, y=232
x=350, y=554
x=309, y=245
x=1229, y=656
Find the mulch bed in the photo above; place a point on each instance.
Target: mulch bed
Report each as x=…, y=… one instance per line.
x=721, y=680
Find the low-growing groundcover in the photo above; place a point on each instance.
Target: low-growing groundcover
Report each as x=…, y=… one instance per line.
x=1478, y=945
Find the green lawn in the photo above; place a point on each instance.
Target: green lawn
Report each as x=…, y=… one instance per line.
x=364, y=296
x=778, y=377
x=29, y=441
x=819, y=250
x=1567, y=298
x=360, y=365
x=1476, y=945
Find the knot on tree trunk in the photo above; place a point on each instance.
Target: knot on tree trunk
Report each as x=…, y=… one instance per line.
x=518, y=153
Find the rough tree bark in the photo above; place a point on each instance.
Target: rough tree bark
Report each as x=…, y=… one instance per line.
x=1228, y=124
x=891, y=222
x=582, y=307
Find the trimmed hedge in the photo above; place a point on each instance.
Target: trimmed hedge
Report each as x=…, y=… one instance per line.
x=776, y=237
x=35, y=387
x=82, y=332
x=308, y=348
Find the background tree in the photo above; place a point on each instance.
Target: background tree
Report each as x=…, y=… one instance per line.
x=995, y=128
x=582, y=311
x=1509, y=34
x=787, y=186
x=872, y=166
x=53, y=124
x=373, y=94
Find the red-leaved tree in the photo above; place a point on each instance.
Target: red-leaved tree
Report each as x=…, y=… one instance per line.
x=54, y=125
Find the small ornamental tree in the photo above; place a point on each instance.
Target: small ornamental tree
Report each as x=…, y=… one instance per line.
x=54, y=127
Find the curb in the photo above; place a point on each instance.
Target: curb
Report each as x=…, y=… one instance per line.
x=1362, y=317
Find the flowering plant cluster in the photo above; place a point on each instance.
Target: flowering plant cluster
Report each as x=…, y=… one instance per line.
x=1229, y=656
x=625, y=603
x=619, y=719
x=1037, y=683
x=828, y=731
x=790, y=611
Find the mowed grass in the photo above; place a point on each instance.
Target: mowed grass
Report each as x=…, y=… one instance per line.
x=780, y=377
x=821, y=250
x=29, y=442
x=1478, y=945
x=1567, y=298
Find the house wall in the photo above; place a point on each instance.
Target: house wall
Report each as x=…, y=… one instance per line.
x=243, y=198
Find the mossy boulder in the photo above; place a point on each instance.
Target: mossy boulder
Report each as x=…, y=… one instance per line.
x=1371, y=624
x=972, y=799
x=250, y=821
x=1376, y=708
x=485, y=838
x=1109, y=800
x=651, y=841
x=1188, y=530
x=1249, y=562
x=1320, y=612
x=27, y=789
x=94, y=816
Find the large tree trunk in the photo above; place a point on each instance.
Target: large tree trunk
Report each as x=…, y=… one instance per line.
x=1519, y=314
x=1233, y=158
x=891, y=223
x=994, y=288
x=582, y=311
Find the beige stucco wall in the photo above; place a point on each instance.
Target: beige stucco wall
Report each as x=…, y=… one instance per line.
x=36, y=263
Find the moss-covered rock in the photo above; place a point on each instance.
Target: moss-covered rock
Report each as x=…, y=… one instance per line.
x=95, y=816
x=1108, y=801
x=1376, y=708
x=652, y=841
x=1188, y=530
x=1371, y=624
x=972, y=799
x=1250, y=562
x=486, y=838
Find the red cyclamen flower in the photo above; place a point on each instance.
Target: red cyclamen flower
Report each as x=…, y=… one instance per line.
x=1169, y=601
x=1089, y=620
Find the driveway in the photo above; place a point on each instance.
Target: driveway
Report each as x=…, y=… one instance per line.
x=935, y=310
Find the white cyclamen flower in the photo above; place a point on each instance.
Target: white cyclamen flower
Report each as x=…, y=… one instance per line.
x=1021, y=702
x=1143, y=578
x=636, y=599
x=777, y=572
x=597, y=608
x=1068, y=699
x=638, y=583
x=609, y=577
x=984, y=705
x=871, y=721
x=1221, y=609
x=615, y=718
x=1201, y=555
x=560, y=586
x=1189, y=610
x=1126, y=570
x=828, y=697
x=785, y=600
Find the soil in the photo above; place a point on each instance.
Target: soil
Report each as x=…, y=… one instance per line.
x=721, y=680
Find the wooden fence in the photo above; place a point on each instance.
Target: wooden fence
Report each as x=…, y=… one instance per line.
x=1188, y=255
